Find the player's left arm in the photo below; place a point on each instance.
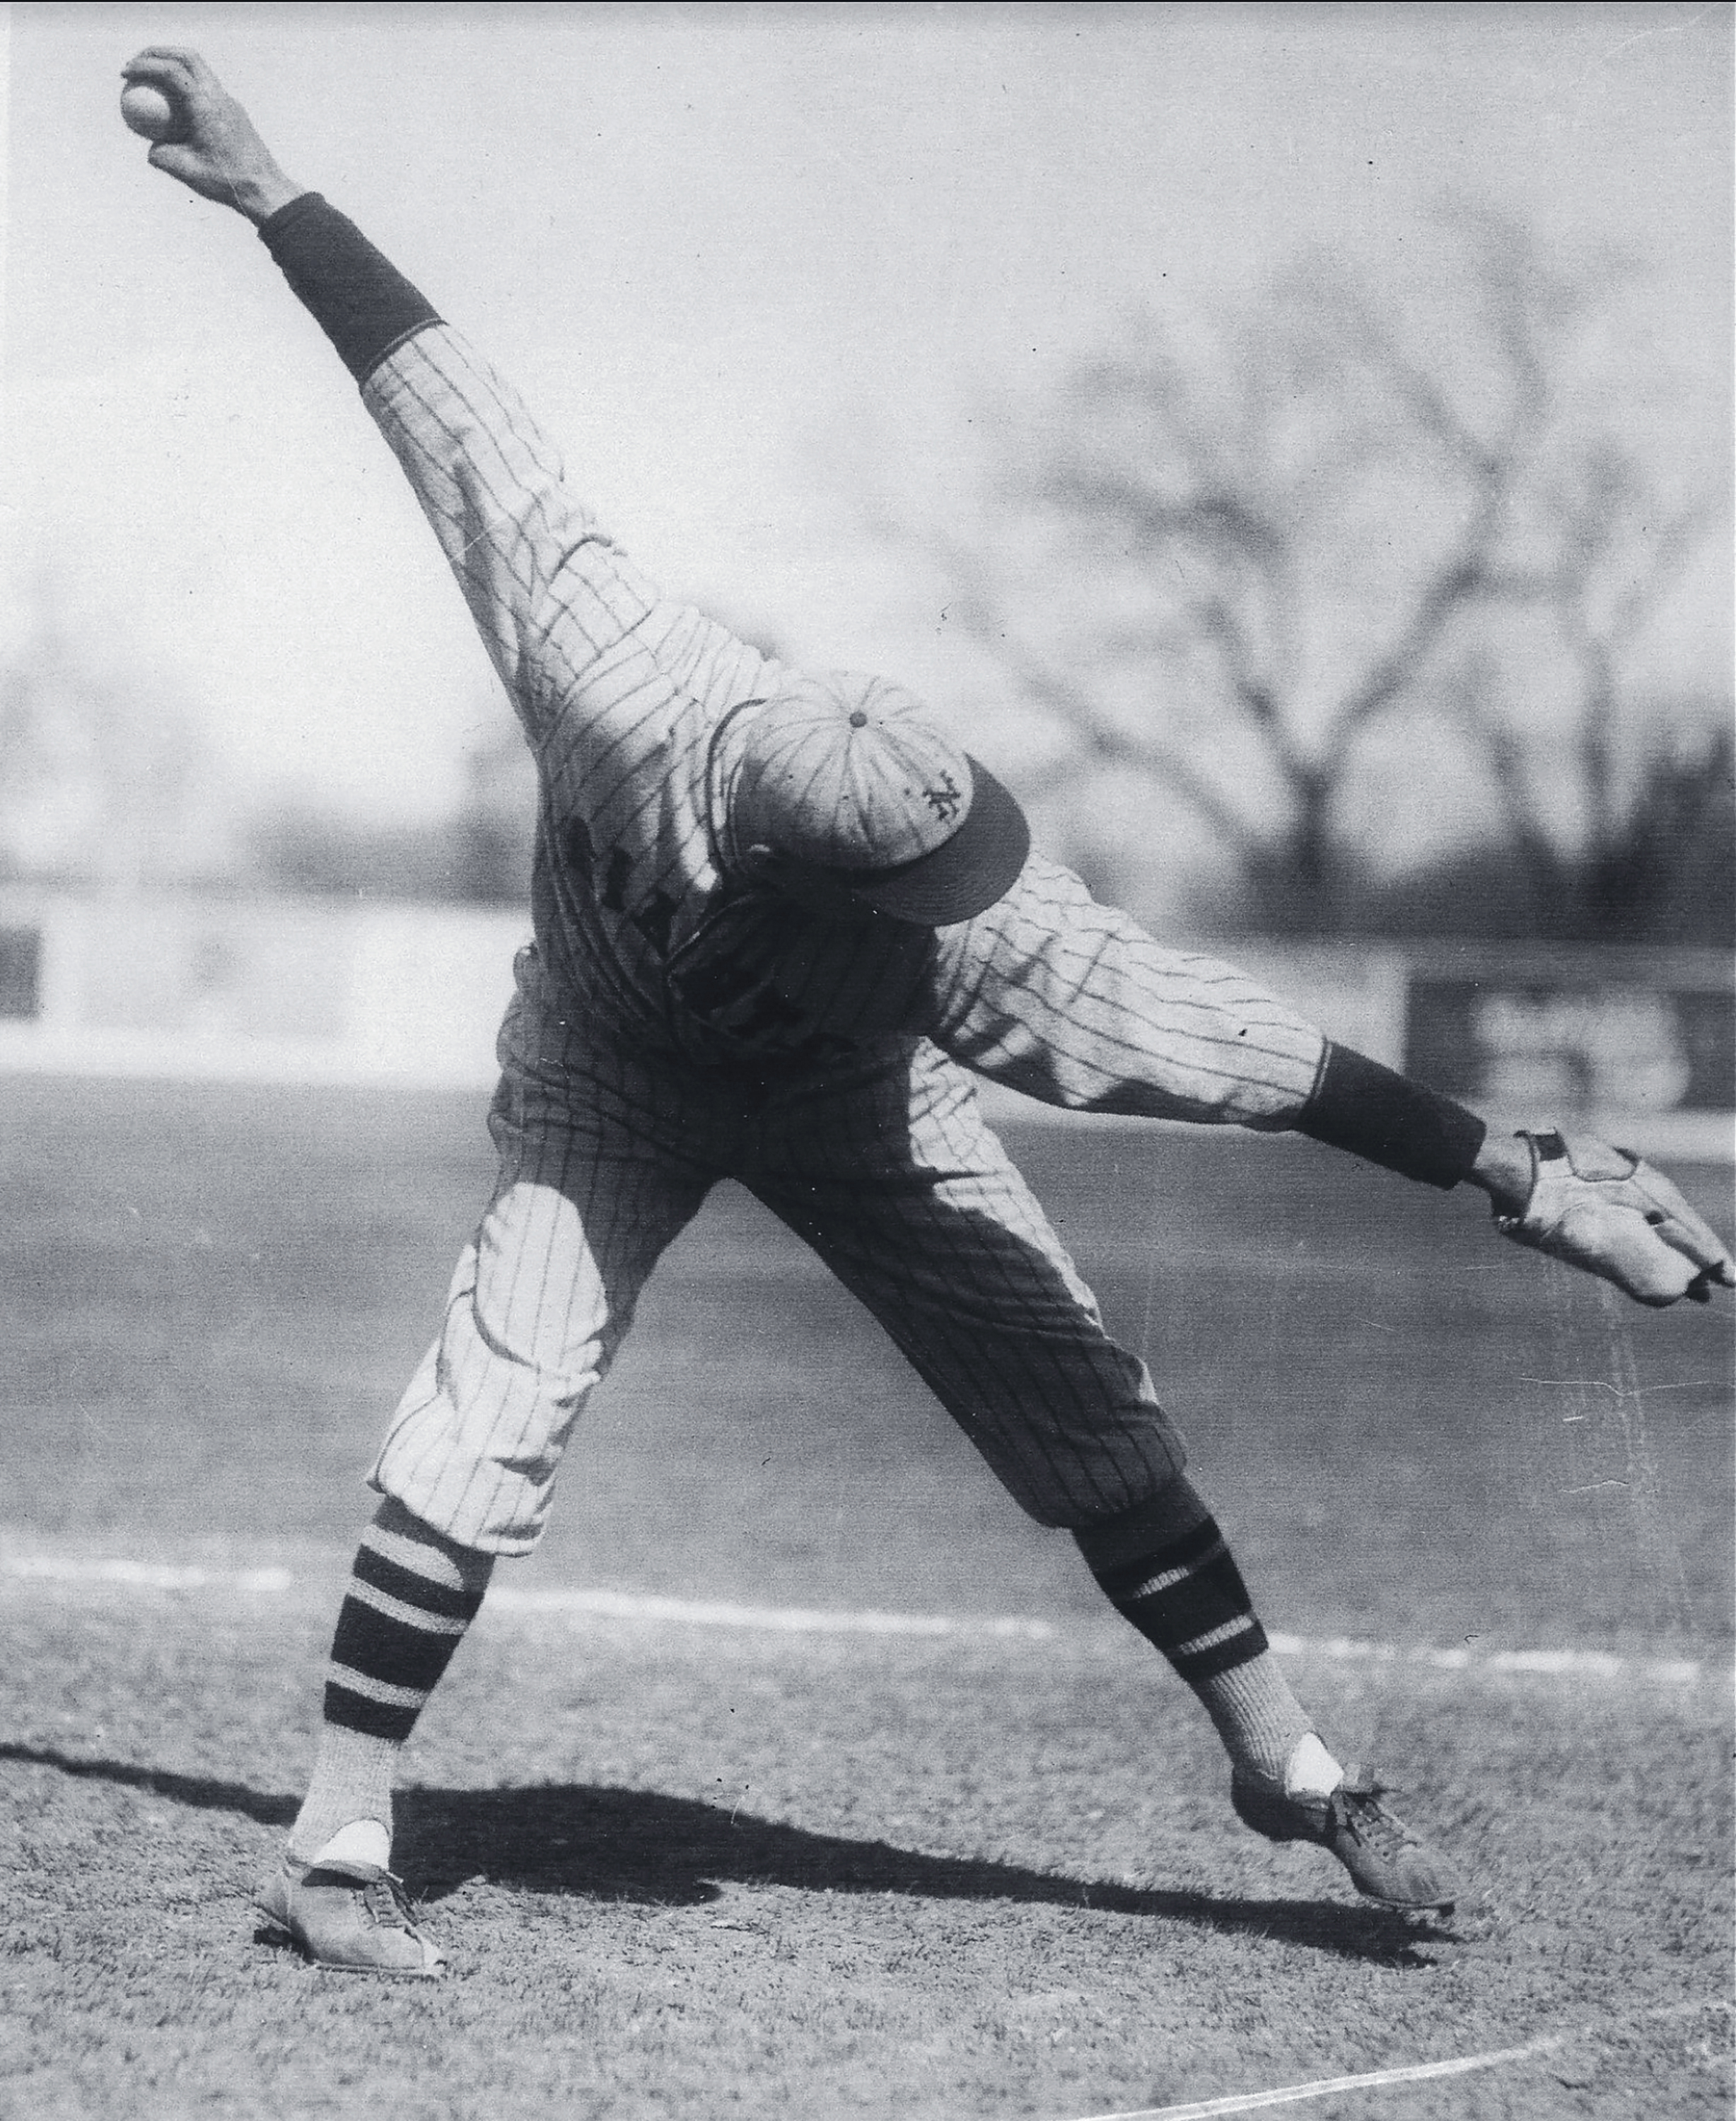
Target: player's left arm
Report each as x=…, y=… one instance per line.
x=1603, y=1209
x=1073, y=1003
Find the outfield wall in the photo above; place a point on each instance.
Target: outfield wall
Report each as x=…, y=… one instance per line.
x=307, y=989
x=1641, y=1043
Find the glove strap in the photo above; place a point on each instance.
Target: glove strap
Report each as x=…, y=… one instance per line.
x=1551, y=1160
x=1547, y=1146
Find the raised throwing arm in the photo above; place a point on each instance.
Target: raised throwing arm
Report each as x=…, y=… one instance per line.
x=579, y=637
x=218, y=155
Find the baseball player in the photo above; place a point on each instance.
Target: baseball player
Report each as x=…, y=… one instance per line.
x=779, y=921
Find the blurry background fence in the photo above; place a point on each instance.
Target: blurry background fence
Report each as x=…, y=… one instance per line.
x=189, y=985
x=293, y=990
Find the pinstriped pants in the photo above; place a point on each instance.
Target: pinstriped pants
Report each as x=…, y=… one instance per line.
x=883, y=1164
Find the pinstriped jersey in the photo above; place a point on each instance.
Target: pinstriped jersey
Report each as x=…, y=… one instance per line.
x=625, y=697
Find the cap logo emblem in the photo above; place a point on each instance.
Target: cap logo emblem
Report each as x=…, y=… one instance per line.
x=944, y=801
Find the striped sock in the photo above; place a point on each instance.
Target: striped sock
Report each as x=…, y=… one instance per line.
x=412, y=1594
x=1165, y=1568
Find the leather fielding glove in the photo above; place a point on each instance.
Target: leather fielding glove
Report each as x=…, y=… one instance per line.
x=1607, y=1211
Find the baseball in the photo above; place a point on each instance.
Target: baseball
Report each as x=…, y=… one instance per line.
x=151, y=113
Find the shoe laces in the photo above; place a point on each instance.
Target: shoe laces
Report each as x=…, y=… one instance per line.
x=387, y=1903
x=1357, y=1809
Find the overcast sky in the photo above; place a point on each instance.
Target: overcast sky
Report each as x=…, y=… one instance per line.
x=717, y=246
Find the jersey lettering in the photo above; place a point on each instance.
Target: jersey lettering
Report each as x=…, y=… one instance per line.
x=576, y=850
x=708, y=987
x=654, y=920
x=770, y=1012
x=614, y=884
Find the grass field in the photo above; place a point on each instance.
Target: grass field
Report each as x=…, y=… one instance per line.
x=689, y=1870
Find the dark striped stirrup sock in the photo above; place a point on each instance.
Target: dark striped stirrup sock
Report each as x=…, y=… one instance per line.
x=1188, y=1598
x=1165, y=1568
x=412, y=1594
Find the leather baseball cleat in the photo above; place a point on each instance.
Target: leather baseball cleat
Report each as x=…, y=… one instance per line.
x=1386, y=1861
x=352, y=1918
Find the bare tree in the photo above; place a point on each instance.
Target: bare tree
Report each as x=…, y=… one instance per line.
x=1227, y=571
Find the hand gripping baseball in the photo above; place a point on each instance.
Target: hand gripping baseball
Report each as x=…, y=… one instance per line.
x=1605, y=1210
x=215, y=150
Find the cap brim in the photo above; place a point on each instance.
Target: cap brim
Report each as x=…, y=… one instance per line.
x=962, y=878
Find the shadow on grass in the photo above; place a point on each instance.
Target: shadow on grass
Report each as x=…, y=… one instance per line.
x=640, y=1845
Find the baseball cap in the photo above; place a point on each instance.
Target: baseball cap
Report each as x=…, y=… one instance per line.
x=847, y=774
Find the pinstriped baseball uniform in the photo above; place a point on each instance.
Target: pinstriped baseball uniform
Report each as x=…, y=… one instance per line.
x=674, y=1025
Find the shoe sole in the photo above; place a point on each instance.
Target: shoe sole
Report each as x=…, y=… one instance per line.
x=1408, y=1907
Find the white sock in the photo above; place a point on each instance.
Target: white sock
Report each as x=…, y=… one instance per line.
x=1311, y=1771
x=362, y=1841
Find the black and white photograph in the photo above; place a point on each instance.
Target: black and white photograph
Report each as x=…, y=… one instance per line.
x=867, y=1061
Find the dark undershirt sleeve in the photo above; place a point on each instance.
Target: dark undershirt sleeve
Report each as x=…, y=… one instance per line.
x=358, y=298
x=1360, y=1106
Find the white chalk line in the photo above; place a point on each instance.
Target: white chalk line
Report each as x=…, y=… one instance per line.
x=1577, y=1664
x=1374, y=2080
x=776, y=1619
x=644, y=1607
